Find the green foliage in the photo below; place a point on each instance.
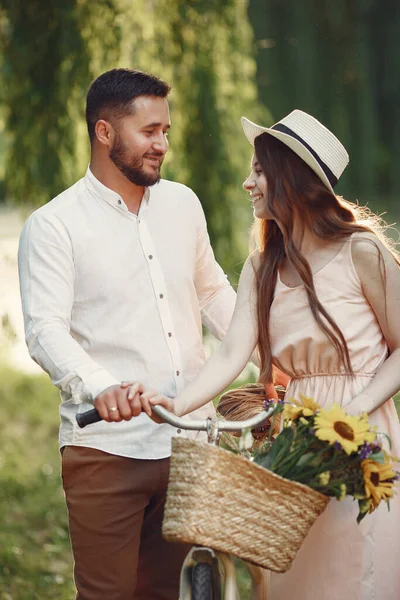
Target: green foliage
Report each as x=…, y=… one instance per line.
x=46, y=68
x=337, y=61
x=35, y=556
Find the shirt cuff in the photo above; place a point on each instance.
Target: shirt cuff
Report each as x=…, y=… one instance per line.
x=95, y=383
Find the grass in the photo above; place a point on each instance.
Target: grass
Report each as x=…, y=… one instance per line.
x=35, y=556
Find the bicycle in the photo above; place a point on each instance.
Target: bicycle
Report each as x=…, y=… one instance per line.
x=205, y=571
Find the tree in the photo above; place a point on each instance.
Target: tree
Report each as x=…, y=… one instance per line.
x=47, y=52
x=337, y=62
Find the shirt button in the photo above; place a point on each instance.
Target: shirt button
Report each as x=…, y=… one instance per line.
x=161, y=295
x=179, y=431
x=119, y=202
x=150, y=256
x=169, y=334
x=177, y=372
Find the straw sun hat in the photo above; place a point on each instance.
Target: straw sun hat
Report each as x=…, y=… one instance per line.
x=310, y=140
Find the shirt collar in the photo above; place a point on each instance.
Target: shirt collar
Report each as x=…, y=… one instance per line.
x=107, y=194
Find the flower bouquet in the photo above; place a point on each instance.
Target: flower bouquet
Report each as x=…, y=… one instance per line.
x=332, y=452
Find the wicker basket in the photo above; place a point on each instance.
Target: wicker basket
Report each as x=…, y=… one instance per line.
x=224, y=501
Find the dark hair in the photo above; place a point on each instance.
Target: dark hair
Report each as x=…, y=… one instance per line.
x=295, y=191
x=111, y=95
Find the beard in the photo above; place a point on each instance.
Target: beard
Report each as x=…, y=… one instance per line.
x=131, y=165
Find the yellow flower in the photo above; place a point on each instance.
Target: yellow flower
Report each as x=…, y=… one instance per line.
x=333, y=424
x=366, y=506
x=324, y=477
x=378, y=480
x=343, y=491
x=306, y=408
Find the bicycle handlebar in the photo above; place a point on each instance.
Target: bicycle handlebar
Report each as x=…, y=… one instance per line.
x=92, y=416
x=223, y=425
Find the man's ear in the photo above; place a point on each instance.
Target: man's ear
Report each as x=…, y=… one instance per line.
x=104, y=132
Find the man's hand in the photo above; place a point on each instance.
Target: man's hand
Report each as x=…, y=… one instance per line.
x=117, y=403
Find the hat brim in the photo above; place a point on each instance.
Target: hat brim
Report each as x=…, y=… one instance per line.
x=252, y=130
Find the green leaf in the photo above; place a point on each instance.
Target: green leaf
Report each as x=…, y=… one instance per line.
x=364, y=508
x=309, y=459
x=379, y=457
x=278, y=448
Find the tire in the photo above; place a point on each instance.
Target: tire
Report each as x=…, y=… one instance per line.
x=202, y=582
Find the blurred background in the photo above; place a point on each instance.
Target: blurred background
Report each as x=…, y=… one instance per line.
x=224, y=58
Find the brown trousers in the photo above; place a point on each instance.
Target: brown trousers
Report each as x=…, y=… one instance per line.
x=116, y=507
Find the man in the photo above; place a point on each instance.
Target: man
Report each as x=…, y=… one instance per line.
x=117, y=276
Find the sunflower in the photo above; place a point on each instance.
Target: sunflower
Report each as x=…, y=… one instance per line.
x=335, y=425
x=378, y=480
x=306, y=408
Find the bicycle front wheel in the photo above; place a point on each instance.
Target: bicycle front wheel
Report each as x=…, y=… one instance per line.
x=202, y=582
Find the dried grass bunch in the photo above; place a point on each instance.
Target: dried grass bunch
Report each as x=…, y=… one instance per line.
x=247, y=401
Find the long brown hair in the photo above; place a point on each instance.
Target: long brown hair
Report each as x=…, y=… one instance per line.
x=295, y=192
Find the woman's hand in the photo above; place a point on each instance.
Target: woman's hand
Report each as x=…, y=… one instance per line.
x=153, y=398
x=135, y=395
x=148, y=399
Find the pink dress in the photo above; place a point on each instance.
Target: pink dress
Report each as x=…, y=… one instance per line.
x=339, y=560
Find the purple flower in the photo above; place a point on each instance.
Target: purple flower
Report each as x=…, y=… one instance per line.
x=271, y=402
x=366, y=450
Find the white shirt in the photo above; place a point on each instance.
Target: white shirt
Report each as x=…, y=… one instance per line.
x=108, y=296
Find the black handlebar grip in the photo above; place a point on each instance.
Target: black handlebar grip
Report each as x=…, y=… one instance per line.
x=88, y=417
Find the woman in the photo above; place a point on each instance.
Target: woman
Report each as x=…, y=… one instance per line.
x=320, y=298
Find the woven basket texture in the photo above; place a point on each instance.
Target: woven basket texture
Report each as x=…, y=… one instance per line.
x=223, y=501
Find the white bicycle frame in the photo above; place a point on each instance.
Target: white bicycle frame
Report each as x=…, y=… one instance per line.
x=259, y=576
